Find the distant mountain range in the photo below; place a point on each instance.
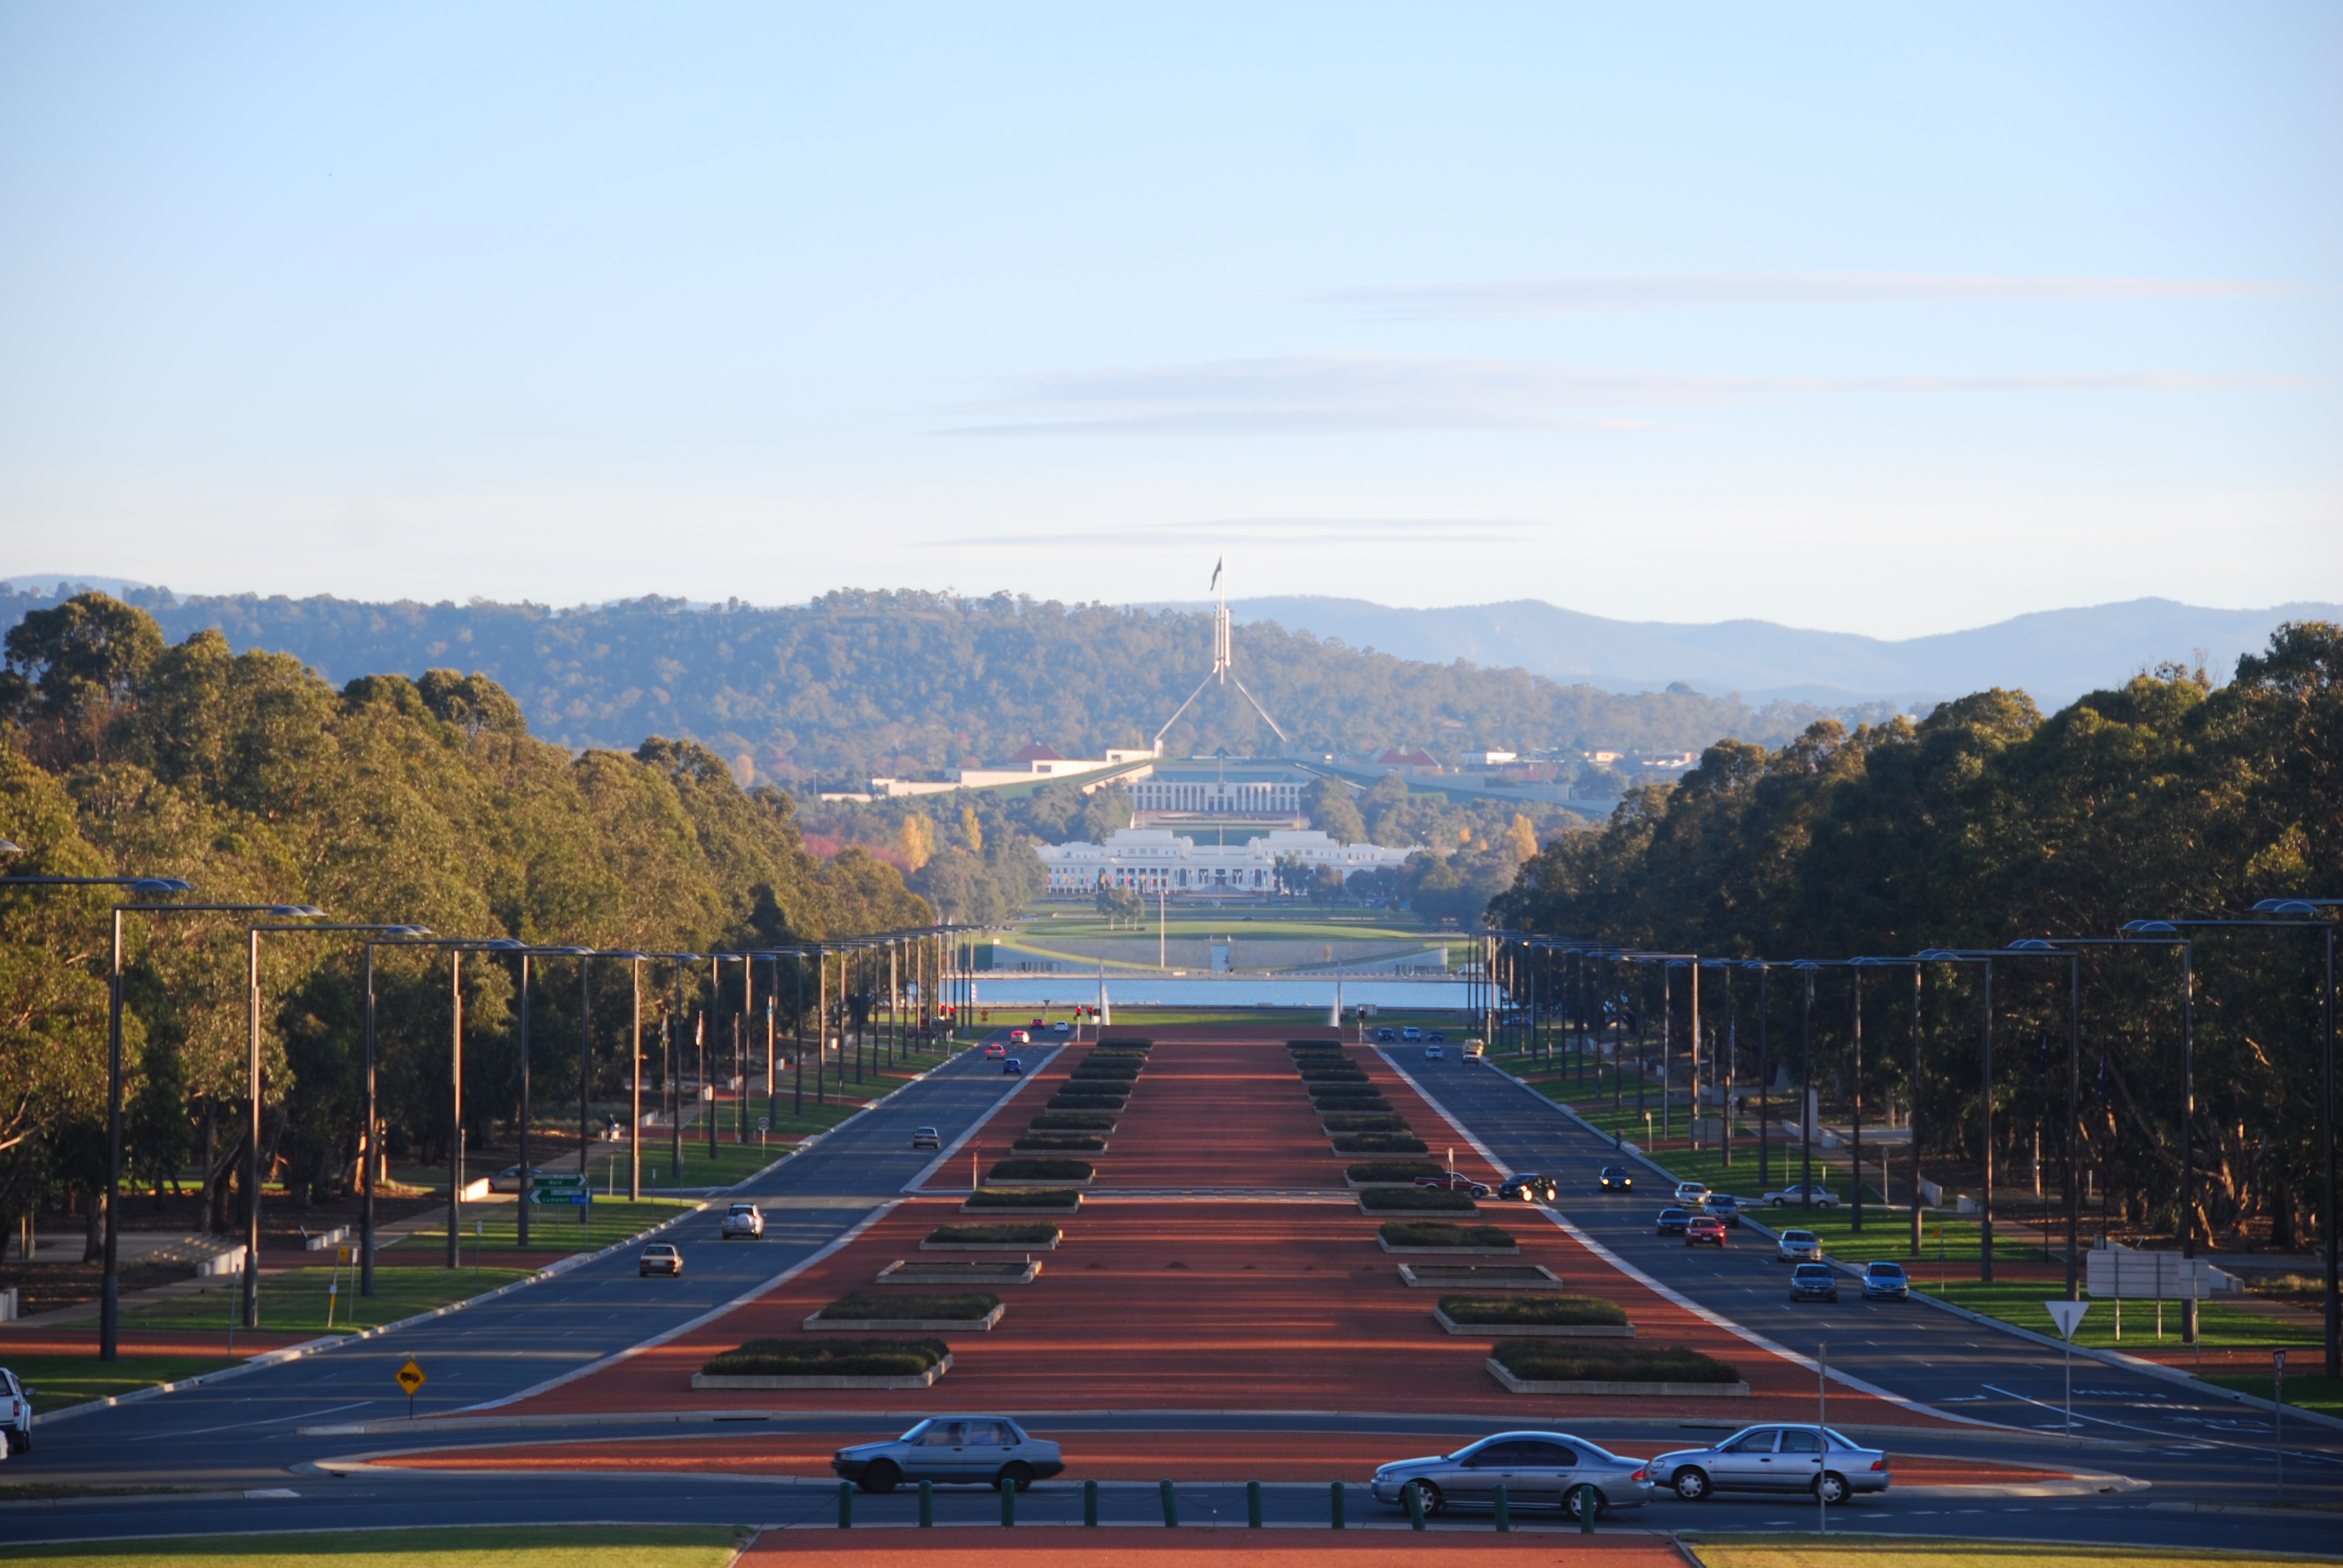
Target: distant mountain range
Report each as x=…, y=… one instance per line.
x=2055, y=655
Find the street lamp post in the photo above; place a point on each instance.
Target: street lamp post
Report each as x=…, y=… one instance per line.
x=1985, y=1201
x=1912, y=1107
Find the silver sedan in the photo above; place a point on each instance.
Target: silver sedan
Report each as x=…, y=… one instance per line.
x=1774, y=1459
x=1537, y=1470
x=965, y=1451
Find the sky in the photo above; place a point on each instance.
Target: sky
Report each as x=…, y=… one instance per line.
x=1890, y=320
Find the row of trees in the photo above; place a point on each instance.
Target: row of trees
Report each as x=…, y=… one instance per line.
x=1987, y=823
x=388, y=799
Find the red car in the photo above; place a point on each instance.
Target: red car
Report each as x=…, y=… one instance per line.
x=1454, y=1180
x=1704, y=1228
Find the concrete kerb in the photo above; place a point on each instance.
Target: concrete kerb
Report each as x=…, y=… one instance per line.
x=2107, y=1358
x=319, y=1346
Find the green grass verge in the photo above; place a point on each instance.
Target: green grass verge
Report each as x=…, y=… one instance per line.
x=1856, y=1551
x=60, y=1381
x=1581, y=1361
x=910, y=1304
x=828, y=1358
x=1039, y=1234
x=2304, y=1391
x=295, y=1302
x=1535, y=1309
x=1442, y=1233
x=551, y=1228
x=458, y=1546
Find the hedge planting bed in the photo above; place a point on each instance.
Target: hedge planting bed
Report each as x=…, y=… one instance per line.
x=1365, y=1121
x=1039, y=1170
x=861, y=1305
x=1023, y=1198
x=1403, y=1172
x=1442, y=1233
x=1125, y=1042
x=1326, y=1102
x=1422, y=1199
x=1059, y=1143
x=1039, y=1234
x=1313, y=1045
x=1072, y=1121
x=1103, y=1073
x=1544, y=1311
x=1570, y=1360
x=1380, y=1143
x=829, y=1358
x=1315, y=1072
x=1066, y=1101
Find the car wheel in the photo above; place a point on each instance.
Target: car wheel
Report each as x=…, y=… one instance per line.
x=1832, y=1487
x=1573, y=1501
x=20, y=1442
x=1691, y=1483
x=882, y=1476
x=1017, y=1474
x=1434, y=1499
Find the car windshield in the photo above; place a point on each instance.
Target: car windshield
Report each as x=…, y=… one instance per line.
x=1813, y=1270
x=1671, y=1214
x=1888, y=1270
x=1797, y=1235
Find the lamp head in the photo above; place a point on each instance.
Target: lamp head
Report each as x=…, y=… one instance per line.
x=157, y=885
x=1807, y=964
x=2285, y=907
x=2150, y=928
x=407, y=930
x=504, y=945
x=2033, y=945
x=1937, y=955
x=10, y=847
x=297, y=912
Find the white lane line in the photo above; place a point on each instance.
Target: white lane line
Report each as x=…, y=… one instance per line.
x=1000, y=1105
x=238, y=1425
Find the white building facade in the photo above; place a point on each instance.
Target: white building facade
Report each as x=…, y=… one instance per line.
x=1153, y=859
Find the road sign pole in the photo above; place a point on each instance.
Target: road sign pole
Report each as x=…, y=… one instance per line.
x=2277, y=1415
x=2069, y=1316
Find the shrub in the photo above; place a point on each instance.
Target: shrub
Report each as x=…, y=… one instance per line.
x=1039, y=1170
x=1392, y=1169
x=1025, y=1198
x=1087, y=1100
x=1061, y=1142
x=829, y=1358
x=1336, y=1073
x=1431, y=1198
x=1040, y=1233
x=1072, y=1121
x=1441, y=1233
x=1578, y=1361
x=1380, y=1143
x=1348, y=1099
x=1120, y=1052
x=901, y=1305
x=1533, y=1308
x=1366, y=1121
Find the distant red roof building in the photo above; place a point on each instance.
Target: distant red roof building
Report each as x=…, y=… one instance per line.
x=1411, y=758
x=1036, y=753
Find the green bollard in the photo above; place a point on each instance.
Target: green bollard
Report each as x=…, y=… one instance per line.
x=927, y=1505
x=1008, y=1502
x=1253, y=1504
x=1587, y=1509
x=1504, y=1510
x=1334, y=1502
x=1170, y=1506
x=1090, y=1504
x=846, y=1505
x=1414, y=1492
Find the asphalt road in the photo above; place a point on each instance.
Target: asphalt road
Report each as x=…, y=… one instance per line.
x=2131, y=1423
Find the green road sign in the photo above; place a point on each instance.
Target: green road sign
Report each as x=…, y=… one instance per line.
x=560, y=1189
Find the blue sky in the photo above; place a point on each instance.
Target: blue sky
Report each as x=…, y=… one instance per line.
x=1881, y=319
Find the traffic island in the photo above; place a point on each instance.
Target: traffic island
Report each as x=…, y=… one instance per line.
x=864, y=1311
x=1021, y=1200
x=1388, y=1173
x=1100, y=1123
x=839, y=1364
x=960, y=1271
x=1483, y=1277
x=1417, y=1201
x=1533, y=1317
x=1015, y=1172
x=1059, y=1143
x=992, y=1238
x=1548, y=1366
x=1433, y=1236
x=1378, y=1143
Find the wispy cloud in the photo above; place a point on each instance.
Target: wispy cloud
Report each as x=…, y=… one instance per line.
x=1357, y=394
x=1600, y=293
x=1308, y=531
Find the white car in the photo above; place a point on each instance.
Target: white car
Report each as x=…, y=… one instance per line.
x=1799, y=1247
x=1436, y=1053
x=744, y=1220
x=15, y=1414
x=1692, y=1194
x=964, y=1450
x=1411, y=1034
x=926, y=1138
x=1819, y=1196
x=1062, y=1027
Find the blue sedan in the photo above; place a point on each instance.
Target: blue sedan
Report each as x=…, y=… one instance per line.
x=1884, y=1280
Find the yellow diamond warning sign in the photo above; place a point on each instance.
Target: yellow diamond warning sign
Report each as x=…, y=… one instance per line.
x=410, y=1378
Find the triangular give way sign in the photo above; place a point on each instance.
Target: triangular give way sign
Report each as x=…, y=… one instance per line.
x=2066, y=1315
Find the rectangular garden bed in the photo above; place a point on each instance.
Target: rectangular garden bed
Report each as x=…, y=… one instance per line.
x=1337, y=1122
x=1059, y=1143
x=994, y=1239
x=1534, y=1330
x=1358, y=1143
x=1021, y=1172
x=1480, y=1277
x=865, y=1313
x=1099, y=1121
x=854, y=1363
x=1064, y=1101
x=1415, y=1200
x=1615, y=1369
x=960, y=1272
x=1439, y=1239
x=1022, y=1201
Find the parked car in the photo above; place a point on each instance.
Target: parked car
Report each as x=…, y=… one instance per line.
x=1704, y=1228
x=1012, y=1067
x=15, y=1413
x=1692, y=1194
x=1884, y=1280
x=744, y=1220
x=1813, y=1282
x=1725, y=1207
x=1818, y=1195
x=1528, y=1187
x=1774, y=1459
x=1618, y=1179
x=1436, y=1053
x=1453, y=1181
x=508, y=1178
x=1798, y=1247
x=952, y=1451
x=1674, y=1220
x=658, y=1258
x=1434, y=1034
x=1020, y=1037
x=926, y=1138
x=1537, y=1470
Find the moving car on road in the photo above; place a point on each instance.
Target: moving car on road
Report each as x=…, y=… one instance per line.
x=1435, y=1053
x=995, y=1049
x=744, y=1220
x=1020, y=1037
x=926, y=1138
x=1705, y=1228
x=1813, y=1282
x=1435, y=1035
x=1537, y=1470
x=1476, y=1051
x=1528, y=1187
x=1798, y=1247
x=1672, y=1221
x=1411, y=1033
x=1453, y=1181
x=1884, y=1280
x=1012, y=1067
x=1817, y=1195
x=1725, y=1207
x=1386, y=1036
x=1618, y=1179
x=1692, y=1194
x=658, y=1258
x=1774, y=1459
x=952, y=1451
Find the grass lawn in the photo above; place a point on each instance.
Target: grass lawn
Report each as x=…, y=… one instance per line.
x=60, y=1381
x=535, y=1546
x=2304, y=1391
x=551, y=1228
x=295, y=1302
x=1902, y=1552
x=1087, y=925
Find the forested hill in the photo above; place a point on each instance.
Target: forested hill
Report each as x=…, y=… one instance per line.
x=856, y=683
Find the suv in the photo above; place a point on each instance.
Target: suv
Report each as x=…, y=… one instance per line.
x=15, y=1413
x=926, y=1138
x=658, y=1258
x=1799, y=1247
x=1885, y=1281
x=1813, y=1282
x=744, y=1220
x=1618, y=1179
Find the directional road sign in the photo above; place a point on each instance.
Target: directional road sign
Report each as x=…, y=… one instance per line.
x=571, y=1189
